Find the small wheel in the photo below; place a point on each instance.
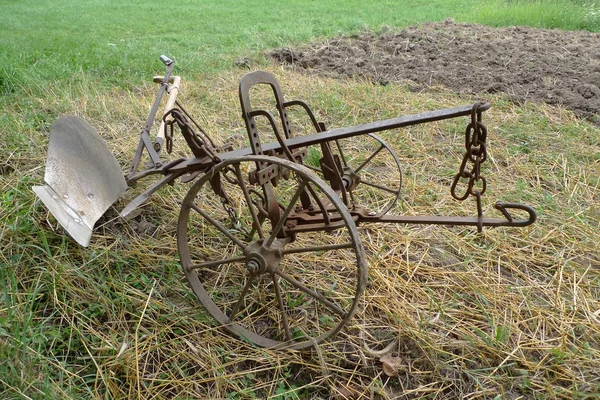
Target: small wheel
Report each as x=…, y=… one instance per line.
x=371, y=167
x=265, y=264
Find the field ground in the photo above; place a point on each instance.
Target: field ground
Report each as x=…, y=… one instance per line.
x=510, y=313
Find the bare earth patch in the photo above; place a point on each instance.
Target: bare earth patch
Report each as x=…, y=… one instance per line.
x=540, y=65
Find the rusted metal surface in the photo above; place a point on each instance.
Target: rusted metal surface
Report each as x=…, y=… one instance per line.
x=246, y=219
x=153, y=149
x=332, y=135
x=362, y=129
x=264, y=253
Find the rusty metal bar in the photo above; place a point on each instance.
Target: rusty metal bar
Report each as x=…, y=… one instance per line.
x=441, y=220
x=145, y=142
x=363, y=129
x=470, y=221
x=341, y=133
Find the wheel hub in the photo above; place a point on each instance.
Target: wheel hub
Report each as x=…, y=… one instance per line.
x=261, y=258
x=350, y=178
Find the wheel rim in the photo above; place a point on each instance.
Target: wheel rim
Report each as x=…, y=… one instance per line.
x=370, y=159
x=273, y=290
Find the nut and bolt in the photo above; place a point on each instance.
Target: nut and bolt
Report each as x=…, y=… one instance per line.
x=253, y=267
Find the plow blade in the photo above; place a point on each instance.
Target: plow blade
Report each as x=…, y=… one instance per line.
x=82, y=177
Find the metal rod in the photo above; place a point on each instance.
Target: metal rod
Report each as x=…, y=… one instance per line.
x=370, y=158
x=441, y=220
x=362, y=129
x=285, y=214
x=237, y=305
x=210, y=264
x=220, y=227
x=255, y=221
x=286, y=325
x=379, y=187
x=339, y=147
x=333, y=307
x=319, y=203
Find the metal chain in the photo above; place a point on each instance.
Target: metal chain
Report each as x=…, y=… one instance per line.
x=169, y=135
x=233, y=216
x=187, y=114
x=476, y=153
x=195, y=142
x=229, y=169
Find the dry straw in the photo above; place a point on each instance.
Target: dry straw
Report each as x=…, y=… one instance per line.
x=512, y=313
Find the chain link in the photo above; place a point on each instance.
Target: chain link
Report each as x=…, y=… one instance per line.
x=236, y=224
x=233, y=217
x=476, y=154
x=169, y=135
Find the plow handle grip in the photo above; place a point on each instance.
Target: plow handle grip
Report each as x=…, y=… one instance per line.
x=173, y=91
x=166, y=60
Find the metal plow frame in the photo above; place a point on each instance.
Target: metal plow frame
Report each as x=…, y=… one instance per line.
x=83, y=179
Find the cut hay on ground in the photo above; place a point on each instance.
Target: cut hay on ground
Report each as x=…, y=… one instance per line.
x=511, y=312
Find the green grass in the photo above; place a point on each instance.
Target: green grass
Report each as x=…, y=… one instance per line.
x=518, y=308
x=117, y=42
x=558, y=14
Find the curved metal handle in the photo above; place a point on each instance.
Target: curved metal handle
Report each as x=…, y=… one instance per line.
x=503, y=208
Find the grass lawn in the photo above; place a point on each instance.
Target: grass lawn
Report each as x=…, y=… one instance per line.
x=117, y=42
x=507, y=314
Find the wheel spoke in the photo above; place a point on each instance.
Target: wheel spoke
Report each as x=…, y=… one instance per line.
x=319, y=203
x=328, y=247
x=220, y=227
x=238, y=303
x=333, y=307
x=380, y=187
x=313, y=168
x=287, y=212
x=342, y=156
x=216, y=263
x=369, y=159
x=255, y=220
x=286, y=325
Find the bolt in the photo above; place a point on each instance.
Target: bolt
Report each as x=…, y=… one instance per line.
x=372, y=213
x=253, y=267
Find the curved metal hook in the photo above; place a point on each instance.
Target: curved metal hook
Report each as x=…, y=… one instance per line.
x=503, y=208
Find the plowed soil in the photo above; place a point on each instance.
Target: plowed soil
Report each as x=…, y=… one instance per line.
x=540, y=65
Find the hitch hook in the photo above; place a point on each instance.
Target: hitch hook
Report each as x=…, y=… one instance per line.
x=503, y=208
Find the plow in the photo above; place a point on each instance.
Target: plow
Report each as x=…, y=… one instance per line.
x=267, y=234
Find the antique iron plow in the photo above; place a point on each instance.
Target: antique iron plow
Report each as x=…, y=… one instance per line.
x=267, y=235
